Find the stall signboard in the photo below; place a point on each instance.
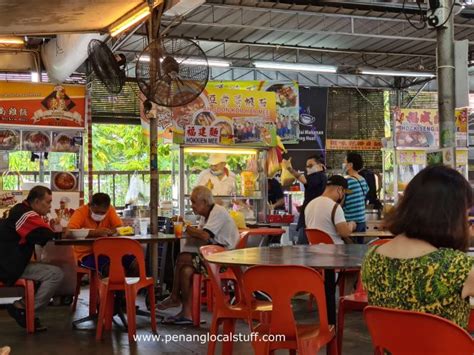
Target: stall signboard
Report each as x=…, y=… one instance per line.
x=416, y=128
x=286, y=98
x=38, y=104
x=353, y=144
x=201, y=135
x=224, y=109
x=461, y=127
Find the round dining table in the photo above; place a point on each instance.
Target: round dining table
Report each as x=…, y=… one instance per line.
x=322, y=256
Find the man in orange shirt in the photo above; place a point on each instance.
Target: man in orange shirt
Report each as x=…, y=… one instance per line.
x=101, y=218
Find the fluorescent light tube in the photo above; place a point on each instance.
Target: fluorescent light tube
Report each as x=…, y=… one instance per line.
x=12, y=40
x=235, y=151
x=397, y=73
x=129, y=21
x=191, y=61
x=35, y=77
x=295, y=66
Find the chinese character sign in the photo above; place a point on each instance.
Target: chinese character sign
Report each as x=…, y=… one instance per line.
x=286, y=97
x=416, y=128
x=353, y=144
x=201, y=135
x=42, y=104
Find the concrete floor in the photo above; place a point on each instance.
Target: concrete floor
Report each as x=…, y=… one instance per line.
x=62, y=339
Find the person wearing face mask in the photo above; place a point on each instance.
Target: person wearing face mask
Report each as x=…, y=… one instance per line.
x=102, y=220
x=325, y=212
x=217, y=177
x=314, y=182
x=354, y=205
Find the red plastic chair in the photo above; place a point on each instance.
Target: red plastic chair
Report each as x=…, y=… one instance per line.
x=225, y=313
x=200, y=283
x=470, y=325
x=93, y=291
x=115, y=249
x=356, y=301
x=28, y=287
x=408, y=332
x=282, y=283
x=245, y=234
x=316, y=236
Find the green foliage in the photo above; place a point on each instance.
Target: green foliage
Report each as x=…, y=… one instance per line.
x=119, y=148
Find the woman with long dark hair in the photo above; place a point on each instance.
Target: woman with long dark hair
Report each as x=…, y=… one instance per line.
x=425, y=267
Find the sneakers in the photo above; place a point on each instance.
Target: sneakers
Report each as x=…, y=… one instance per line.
x=19, y=315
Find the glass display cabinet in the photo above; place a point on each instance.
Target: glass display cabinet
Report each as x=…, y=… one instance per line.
x=400, y=165
x=246, y=164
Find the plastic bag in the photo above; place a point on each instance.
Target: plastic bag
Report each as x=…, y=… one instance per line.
x=286, y=177
x=137, y=193
x=248, y=183
x=239, y=219
x=273, y=165
x=252, y=164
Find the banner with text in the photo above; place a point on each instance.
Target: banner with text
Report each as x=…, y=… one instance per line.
x=287, y=102
x=38, y=104
x=240, y=116
x=312, y=125
x=416, y=128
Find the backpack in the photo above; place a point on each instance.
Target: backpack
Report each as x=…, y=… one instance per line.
x=371, y=196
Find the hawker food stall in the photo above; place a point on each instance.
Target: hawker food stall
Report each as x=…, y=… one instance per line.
x=415, y=145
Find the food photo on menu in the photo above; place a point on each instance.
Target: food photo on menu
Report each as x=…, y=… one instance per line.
x=36, y=141
x=9, y=139
x=64, y=181
x=64, y=142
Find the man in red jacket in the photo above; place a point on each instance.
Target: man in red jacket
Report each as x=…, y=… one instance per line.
x=19, y=233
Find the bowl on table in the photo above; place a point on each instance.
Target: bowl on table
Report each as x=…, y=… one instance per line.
x=79, y=233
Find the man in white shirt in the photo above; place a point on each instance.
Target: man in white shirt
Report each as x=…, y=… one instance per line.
x=217, y=177
x=215, y=227
x=325, y=212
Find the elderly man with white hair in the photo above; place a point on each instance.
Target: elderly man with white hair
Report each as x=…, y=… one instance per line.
x=215, y=227
x=217, y=177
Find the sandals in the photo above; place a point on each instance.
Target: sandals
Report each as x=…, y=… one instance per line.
x=177, y=320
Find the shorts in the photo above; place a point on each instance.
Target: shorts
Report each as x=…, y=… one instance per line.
x=198, y=264
x=200, y=267
x=88, y=262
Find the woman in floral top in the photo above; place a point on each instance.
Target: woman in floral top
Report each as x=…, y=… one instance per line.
x=425, y=268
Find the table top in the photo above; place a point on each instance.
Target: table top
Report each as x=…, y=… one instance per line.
x=373, y=234
x=322, y=256
x=139, y=238
x=267, y=225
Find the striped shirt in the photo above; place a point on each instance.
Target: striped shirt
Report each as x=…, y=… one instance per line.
x=354, y=203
